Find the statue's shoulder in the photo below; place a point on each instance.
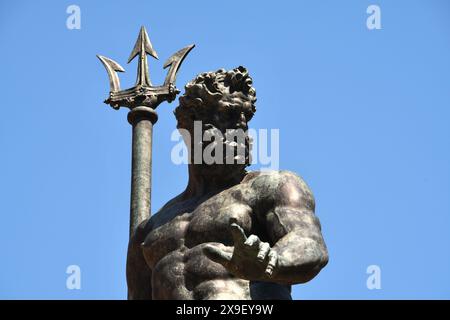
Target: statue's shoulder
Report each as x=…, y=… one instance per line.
x=167, y=212
x=279, y=184
x=273, y=178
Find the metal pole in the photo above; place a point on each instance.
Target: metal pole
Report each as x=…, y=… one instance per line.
x=142, y=119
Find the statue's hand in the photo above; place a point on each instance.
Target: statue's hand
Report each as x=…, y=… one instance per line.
x=249, y=259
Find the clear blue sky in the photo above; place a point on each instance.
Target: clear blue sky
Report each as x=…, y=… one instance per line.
x=364, y=117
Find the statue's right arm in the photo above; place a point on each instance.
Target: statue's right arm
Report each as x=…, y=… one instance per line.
x=139, y=275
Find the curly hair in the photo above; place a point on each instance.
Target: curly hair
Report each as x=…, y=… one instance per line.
x=213, y=92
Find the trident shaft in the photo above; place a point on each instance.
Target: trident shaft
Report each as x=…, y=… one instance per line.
x=142, y=100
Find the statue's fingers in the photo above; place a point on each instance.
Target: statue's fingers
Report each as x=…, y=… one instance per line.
x=273, y=259
x=264, y=249
x=238, y=234
x=218, y=255
x=252, y=241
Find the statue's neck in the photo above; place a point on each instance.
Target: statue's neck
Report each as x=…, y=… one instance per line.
x=202, y=183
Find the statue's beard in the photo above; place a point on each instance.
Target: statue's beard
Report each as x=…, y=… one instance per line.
x=223, y=155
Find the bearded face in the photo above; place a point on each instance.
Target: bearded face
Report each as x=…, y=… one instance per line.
x=213, y=116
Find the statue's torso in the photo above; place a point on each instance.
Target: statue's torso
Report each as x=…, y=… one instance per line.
x=178, y=233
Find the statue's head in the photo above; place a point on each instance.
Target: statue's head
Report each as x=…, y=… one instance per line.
x=219, y=105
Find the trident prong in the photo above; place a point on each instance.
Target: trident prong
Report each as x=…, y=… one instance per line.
x=111, y=67
x=143, y=93
x=175, y=62
x=141, y=48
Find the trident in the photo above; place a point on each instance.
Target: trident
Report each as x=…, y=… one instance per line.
x=142, y=100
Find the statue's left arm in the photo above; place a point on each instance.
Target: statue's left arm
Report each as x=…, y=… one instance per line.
x=295, y=251
x=295, y=232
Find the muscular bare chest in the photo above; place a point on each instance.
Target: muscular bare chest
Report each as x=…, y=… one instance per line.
x=182, y=227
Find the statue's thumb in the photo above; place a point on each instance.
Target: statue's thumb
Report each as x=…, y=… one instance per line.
x=217, y=255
